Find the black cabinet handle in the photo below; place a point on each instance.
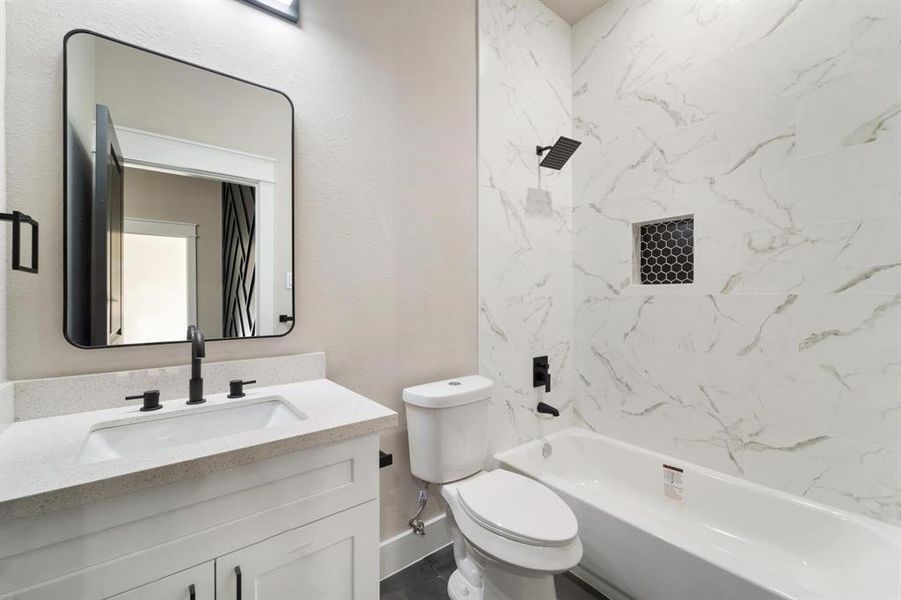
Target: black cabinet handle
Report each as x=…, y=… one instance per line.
x=238, y=576
x=192, y=595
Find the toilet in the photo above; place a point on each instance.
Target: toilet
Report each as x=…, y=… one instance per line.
x=511, y=534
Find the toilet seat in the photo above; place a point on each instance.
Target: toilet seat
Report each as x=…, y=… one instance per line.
x=519, y=541
x=518, y=508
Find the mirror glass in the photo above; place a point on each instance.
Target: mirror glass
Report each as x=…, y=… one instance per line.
x=179, y=199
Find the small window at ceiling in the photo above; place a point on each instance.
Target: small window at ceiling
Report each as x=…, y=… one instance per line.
x=664, y=251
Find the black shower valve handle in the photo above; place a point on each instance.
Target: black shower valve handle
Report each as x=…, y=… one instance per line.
x=541, y=375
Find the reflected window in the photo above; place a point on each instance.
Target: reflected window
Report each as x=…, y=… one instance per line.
x=159, y=280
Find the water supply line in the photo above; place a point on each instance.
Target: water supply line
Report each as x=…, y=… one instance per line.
x=416, y=523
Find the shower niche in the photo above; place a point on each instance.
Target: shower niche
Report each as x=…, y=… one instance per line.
x=663, y=251
x=179, y=205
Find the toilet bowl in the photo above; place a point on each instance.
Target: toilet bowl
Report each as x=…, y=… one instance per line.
x=511, y=534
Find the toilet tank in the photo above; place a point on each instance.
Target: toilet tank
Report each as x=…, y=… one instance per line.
x=447, y=425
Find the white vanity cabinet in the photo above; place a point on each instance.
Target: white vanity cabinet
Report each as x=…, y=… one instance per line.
x=332, y=559
x=196, y=583
x=303, y=524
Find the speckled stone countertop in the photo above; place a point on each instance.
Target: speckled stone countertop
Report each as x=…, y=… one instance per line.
x=40, y=470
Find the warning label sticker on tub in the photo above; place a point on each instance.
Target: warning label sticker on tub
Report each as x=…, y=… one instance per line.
x=672, y=482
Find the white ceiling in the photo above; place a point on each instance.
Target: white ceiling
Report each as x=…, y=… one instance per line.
x=572, y=10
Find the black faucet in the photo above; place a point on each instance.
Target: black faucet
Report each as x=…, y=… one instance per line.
x=541, y=373
x=547, y=409
x=198, y=351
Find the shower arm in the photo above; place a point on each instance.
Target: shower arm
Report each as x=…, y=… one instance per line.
x=539, y=150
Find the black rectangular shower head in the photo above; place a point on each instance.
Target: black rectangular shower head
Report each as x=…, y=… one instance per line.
x=559, y=153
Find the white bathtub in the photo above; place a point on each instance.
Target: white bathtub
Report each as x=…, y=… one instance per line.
x=727, y=539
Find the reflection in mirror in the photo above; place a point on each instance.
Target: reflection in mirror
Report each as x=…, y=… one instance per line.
x=179, y=201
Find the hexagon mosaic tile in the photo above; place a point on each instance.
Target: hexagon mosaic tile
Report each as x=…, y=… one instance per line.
x=666, y=252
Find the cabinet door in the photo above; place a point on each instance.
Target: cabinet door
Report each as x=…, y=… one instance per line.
x=177, y=586
x=336, y=558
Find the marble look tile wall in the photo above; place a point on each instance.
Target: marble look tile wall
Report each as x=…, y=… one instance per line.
x=525, y=215
x=776, y=123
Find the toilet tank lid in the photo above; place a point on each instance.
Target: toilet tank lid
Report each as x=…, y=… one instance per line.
x=449, y=392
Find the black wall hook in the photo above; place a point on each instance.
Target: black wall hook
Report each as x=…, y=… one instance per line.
x=17, y=218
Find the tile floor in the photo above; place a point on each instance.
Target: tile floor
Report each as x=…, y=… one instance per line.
x=427, y=580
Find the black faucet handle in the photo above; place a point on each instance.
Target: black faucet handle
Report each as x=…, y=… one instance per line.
x=151, y=400
x=236, y=387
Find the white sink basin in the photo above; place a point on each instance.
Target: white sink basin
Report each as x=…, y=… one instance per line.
x=185, y=427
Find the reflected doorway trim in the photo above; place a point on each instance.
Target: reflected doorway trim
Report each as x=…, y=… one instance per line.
x=187, y=231
x=155, y=152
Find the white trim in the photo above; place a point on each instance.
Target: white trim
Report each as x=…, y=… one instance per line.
x=265, y=258
x=161, y=228
x=156, y=151
x=172, y=229
x=404, y=549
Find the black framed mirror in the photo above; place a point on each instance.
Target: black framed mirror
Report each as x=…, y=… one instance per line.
x=179, y=199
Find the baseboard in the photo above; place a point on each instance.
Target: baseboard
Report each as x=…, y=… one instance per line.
x=406, y=548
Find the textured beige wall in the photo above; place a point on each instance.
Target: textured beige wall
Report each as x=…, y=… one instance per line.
x=385, y=100
x=3, y=237
x=6, y=404
x=167, y=197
